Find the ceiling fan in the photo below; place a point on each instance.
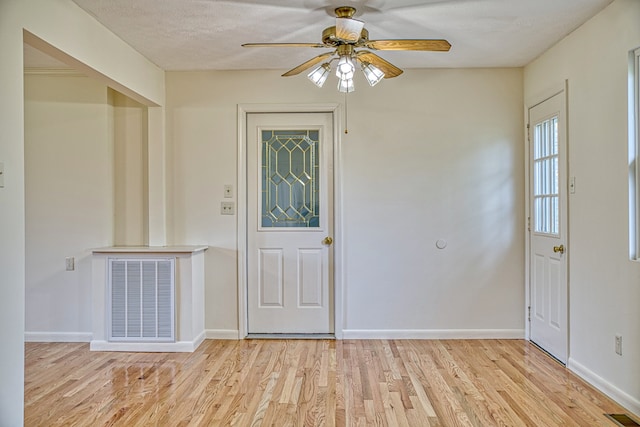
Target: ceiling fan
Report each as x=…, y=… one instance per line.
x=350, y=41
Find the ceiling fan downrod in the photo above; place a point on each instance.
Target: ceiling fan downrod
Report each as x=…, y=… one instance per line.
x=345, y=12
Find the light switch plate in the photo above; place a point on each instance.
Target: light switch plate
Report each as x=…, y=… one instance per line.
x=228, y=191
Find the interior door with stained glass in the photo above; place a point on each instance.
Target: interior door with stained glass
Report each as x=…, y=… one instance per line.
x=290, y=223
x=548, y=227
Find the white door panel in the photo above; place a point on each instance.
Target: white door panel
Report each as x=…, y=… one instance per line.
x=270, y=278
x=289, y=214
x=549, y=226
x=311, y=264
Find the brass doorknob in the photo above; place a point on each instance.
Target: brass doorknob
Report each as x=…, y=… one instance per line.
x=327, y=241
x=557, y=249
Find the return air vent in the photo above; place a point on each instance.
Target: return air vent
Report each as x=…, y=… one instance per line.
x=141, y=300
x=622, y=420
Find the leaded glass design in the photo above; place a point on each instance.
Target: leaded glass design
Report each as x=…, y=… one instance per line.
x=289, y=178
x=545, y=177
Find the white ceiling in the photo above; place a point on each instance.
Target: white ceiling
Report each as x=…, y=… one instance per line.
x=207, y=34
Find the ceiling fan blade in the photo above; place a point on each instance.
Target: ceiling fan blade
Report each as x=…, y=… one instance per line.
x=310, y=63
x=284, y=45
x=348, y=29
x=387, y=68
x=416, y=44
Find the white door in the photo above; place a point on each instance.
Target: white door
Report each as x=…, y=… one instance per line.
x=289, y=223
x=548, y=226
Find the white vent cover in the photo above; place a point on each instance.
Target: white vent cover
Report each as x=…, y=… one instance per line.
x=141, y=299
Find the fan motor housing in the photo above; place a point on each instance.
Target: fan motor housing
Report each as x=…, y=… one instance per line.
x=329, y=37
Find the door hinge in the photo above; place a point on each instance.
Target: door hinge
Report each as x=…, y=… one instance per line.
x=529, y=313
x=528, y=223
x=528, y=132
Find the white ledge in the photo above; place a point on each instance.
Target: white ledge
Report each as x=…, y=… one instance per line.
x=148, y=347
x=150, y=249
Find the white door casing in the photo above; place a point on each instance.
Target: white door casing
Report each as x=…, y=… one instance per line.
x=289, y=262
x=548, y=226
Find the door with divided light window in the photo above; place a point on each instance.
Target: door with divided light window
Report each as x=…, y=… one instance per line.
x=289, y=223
x=548, y=312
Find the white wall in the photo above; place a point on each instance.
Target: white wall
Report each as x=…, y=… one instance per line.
x=76, y=38
x=604, y=283
x=69, y=200
x=12, y=229
x=432, y=154
x=131, y=208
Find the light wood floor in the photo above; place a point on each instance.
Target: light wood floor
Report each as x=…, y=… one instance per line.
x=310, y=383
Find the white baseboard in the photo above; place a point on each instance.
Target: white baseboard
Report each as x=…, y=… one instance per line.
x=433, y=334
x=222, y=334
x=621, y=397
x=149, y=347
x=57, y=336
x=199, y=340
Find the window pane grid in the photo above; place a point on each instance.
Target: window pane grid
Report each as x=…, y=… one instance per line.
x=545, y=177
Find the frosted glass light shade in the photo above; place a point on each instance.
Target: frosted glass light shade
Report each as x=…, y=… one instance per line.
x=345, y=68
x=319, y=75
x=345, y=85
x=372, y=73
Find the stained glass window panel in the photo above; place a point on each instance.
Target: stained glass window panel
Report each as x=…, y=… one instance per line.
x=289, y=178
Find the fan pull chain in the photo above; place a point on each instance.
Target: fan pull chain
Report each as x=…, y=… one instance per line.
x=346, y=114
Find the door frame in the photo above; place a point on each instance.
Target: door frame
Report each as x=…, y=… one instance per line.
x=562, y=88
x=338, y=253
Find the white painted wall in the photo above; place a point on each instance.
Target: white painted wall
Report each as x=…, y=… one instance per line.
x=76, y=38
x=433, y=154
x=69, y=200
x=131, y=208
x=12, y=220
x=604, y=283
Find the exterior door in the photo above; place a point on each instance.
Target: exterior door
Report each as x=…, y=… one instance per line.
x=290, y=223
x=548, y=312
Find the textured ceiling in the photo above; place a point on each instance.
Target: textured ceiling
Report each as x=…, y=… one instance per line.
x=207, y=34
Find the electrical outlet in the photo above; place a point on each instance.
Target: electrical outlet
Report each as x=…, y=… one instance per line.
x=228, y=191
x=227, y=208
x=619, y=344
x=70, y=263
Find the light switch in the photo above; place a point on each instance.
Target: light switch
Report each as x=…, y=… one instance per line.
x=228, y=191
x=572, y=185
x=1, y=175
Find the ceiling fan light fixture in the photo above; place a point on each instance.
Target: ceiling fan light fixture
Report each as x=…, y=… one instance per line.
x=319, y=75
x=345, y=85
x=347, y=35
x=345, y=68
x=372, y=73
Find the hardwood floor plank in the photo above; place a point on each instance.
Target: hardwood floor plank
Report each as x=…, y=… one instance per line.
x=501, y=413
x=480, y=408
x=430, y=383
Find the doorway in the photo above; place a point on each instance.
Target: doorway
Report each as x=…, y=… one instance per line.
x=287, y=223
x=548, y=226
